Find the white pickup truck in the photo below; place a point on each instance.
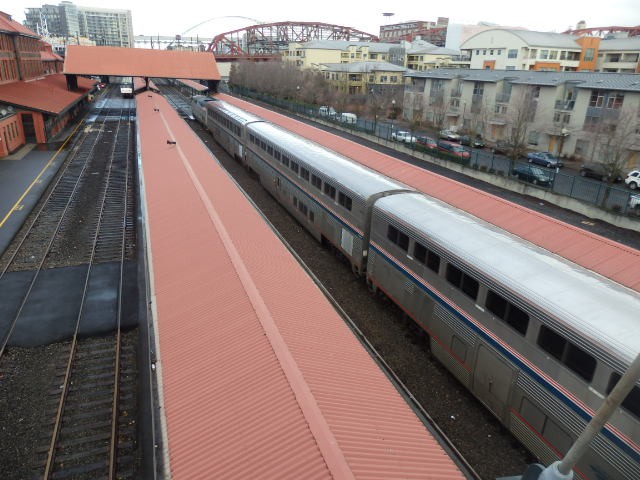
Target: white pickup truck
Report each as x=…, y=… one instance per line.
x=403, y=136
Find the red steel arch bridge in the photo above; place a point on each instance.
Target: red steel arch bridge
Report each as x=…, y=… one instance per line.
x=604, y=31
x=267, y=40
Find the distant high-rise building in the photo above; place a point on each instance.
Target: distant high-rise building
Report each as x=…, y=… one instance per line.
x=105, y=26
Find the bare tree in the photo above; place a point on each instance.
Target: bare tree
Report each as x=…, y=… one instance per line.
x=437, y=108
x=613, y=135
x=521, y=115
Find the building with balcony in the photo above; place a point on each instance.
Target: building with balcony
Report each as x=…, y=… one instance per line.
x=422, y=55
x=583, y=114
x=500, y=49
x=621, y=55
x=104, y=26
x=310, y=55
x=362, y=77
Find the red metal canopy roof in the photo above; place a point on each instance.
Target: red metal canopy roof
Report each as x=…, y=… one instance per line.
x=46, y=94
x=140, y=62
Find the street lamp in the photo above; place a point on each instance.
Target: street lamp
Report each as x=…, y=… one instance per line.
x=393, y=111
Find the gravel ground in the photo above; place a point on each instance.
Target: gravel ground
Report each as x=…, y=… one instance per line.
x=488, y=447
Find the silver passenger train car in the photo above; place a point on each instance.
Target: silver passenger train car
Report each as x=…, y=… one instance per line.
x=539, y=340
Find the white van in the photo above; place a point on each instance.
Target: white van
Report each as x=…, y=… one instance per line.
x=350, y=118
x=325, y=111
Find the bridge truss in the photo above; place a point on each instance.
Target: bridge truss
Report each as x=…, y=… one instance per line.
x=268, y=40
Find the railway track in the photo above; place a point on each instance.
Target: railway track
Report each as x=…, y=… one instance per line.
x=81, y=237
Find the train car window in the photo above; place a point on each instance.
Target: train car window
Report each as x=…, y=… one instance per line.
x=252, y=139
x=303, y=208
x=420, y=253
x=580, y=362
x=304, y=173
x=576, y=359
x=285, y=160
x=295, y=201
x=632, y=400
x=316, y=181
x=462, y=281
x=294, y=166
x=276, y=154
x=330, y=190
x=270, y=150
x=504, y=310
x=392, y=234
x=263, y=145
x=312, y=216
x=433, y=261
x=344, y=200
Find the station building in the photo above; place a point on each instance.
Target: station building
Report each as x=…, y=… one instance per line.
x=35, y=102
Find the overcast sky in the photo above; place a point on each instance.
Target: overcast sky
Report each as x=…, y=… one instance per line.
x=152, y=18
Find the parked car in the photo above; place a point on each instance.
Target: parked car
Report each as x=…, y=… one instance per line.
x=546, y=159
x=453, y=149
x=476, y=142
x=633, y=179
x=325, y=111
x=599, y=171
x=403, y=136
x=503, y=147
x=427, y=142
x=350, y=118
x=449, y=135
x=532, y=174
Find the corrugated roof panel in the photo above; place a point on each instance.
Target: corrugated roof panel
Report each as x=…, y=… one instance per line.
x=257, y=383
x=582, y=247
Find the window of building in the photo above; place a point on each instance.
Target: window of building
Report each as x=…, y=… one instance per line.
x=491, y=52
x=512, y=53
x=597, y=99
x=478, y=88
x=477, y=52
x=544, y=54
x=589, y=54
x=484, y=52
x=499, y=51
x=393, y=79
x=615, y=100
x=576, y=359
x=533, y=137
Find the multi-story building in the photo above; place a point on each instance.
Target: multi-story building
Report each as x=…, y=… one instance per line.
x=526, y=50
x=103, y=25
x=589, y=115
x=621, y=55
x=35, y=102
x=310, y=55
x=362, y=77
x=434, y=32
x=423, y=55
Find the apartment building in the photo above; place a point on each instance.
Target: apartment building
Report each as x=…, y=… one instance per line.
x=422, y=55
x=104, y=26
x=583, y=114
x=500, y=49
x=621, y=55
x=311, y=55
x=361, y=77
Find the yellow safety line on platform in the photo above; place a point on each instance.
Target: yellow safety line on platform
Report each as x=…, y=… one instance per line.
x=15, y=205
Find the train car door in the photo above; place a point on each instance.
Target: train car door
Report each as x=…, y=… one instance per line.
x=492, y=380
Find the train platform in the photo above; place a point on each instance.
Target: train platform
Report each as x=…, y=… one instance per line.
x=24, y=176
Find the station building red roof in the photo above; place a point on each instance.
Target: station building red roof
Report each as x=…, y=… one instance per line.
x=259, y=376
x=140, y=62
x=606, y=257
x=47, y=94
x=9, y=25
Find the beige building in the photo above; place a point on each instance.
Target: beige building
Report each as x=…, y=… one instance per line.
x=310, y=55
x=621, y=55
x=362, y=77
x=588, y=115
x=422, y=55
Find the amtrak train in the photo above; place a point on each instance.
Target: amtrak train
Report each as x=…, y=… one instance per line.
x=540, y=341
